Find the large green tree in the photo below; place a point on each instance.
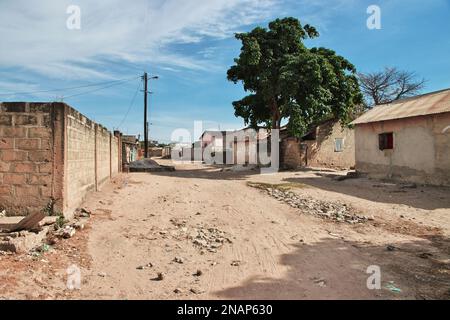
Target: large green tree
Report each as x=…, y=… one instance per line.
x=287, y=80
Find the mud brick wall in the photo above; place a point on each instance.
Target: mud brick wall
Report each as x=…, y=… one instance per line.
x=52, y=154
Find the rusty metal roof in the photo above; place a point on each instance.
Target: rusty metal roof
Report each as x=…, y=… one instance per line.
x=431, y=103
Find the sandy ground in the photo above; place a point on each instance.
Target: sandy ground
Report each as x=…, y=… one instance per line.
x=275, y=251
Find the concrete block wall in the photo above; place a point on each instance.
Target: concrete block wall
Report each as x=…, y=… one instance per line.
x=26, y=157
x=52, y=154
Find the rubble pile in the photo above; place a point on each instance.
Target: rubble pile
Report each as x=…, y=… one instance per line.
x=334, y=211
x=210, y=239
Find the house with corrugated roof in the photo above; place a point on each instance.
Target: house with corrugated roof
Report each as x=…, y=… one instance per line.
x=407, y=140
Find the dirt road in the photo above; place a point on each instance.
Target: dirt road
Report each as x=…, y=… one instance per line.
x=199, y=233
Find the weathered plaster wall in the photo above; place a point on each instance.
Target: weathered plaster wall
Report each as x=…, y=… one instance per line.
x=421, y=150
x=321, y=152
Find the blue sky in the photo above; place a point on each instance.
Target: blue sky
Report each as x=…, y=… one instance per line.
x=190, y=45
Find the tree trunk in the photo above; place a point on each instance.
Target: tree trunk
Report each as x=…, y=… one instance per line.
x=276, y=116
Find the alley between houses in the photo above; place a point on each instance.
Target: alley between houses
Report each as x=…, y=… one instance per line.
x=202, y=232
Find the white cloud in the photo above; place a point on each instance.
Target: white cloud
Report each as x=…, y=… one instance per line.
x=35, y=36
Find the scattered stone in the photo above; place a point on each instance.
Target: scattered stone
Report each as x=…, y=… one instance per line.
x=83, y=213
x=102, y=274
x=236, y=263
x=320, y=282
x=335, y=211
x=67, y=232
x=209, y=239
x=178, y=260
x=391, y=248
x=425, y=255
x=198, y=273
x=160, y=276
x=177, y=291
x=78, y=226
x=197, y=291
x=3, y=213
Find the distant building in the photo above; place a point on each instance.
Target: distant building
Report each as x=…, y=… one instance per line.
x=406, y=140
x=233, y=147
x=130, y=149
x=327, y=144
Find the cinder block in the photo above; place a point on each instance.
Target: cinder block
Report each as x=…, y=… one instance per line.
x=5, y=120
x=4, y=166
x=24, y=168
x=40, y=156
x=13, y=132
x=5, y=190
x=46, y=120
x=27, y=191
x=40, y=107
x=46, y=191
x=46, y=144
x=6, y=143
x=39, y=179
x=13, y=155
x=39, y=132
x=45, y=167
x=28, y=144
x=25, y=120
x=14, y=179
x=14, y=106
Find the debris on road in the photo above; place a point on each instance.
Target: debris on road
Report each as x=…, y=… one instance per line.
x=197, y=290
x=210, y=239
x=198, y=273
x=29, y=223
x=178, y=260
x=391, y=286
x=160, y=276
x=391, y=248
x=67, y=232
x=83, y=213
x=147, y=266
x=235, y=263
x=334, y=211
x=425, y=255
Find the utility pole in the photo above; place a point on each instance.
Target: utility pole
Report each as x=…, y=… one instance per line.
x=145, y=115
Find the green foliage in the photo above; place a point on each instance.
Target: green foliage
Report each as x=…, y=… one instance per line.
x=60, y=222
x=287, y=80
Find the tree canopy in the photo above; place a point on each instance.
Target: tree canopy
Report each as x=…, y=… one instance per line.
x=287, y=80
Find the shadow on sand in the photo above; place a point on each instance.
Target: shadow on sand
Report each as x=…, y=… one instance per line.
x=336, y=269
x=423, y=197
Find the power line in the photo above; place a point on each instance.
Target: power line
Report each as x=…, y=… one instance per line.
x=68, y=88
x=130, y=106
x=98, y=89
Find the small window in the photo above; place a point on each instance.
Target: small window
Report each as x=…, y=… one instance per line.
x=339, y=145
x=386, y=141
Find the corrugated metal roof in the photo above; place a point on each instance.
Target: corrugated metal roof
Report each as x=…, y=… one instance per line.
x=431, y=103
